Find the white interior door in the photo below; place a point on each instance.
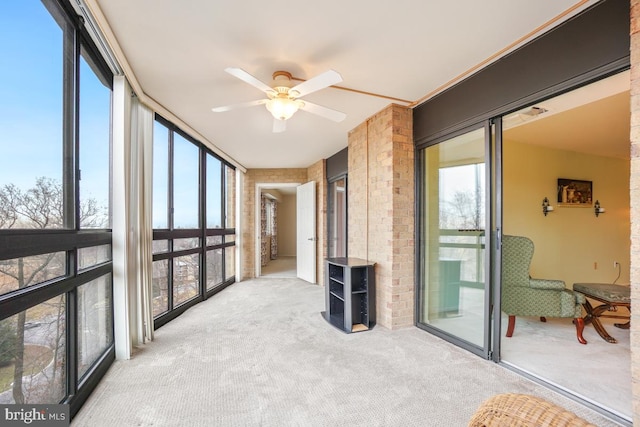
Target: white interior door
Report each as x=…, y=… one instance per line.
x=306, y=231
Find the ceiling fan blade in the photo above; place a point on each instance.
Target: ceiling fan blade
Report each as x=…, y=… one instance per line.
x=240, y=105
x=279, y=125
x=326, y=79
x=248, y=78
x=327, y=113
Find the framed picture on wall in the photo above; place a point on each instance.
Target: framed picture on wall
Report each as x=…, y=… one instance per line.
x=575, y=192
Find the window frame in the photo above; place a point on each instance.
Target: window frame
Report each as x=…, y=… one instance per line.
x=170, y=234
x=16, y=243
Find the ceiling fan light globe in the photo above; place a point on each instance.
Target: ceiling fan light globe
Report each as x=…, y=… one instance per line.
x=282, y=108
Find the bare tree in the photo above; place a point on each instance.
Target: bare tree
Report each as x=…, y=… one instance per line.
x=39, y=207
x=466, y=209
x=8, y=214
x=7, y=342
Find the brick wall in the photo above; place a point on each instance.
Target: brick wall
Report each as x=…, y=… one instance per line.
x=381, y=209
x=251, y=178
x=635, y=206
x=357, y=215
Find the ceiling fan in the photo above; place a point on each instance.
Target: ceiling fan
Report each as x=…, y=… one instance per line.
x=283, y=99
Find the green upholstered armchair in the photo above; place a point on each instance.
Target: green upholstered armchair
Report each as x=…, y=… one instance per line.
x=524, y=296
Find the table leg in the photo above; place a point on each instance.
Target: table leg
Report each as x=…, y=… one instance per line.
x=592, y=316
x=623, y=325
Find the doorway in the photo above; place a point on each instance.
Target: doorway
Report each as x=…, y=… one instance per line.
x=276, y=218
x=454, y=253
x=581, y=135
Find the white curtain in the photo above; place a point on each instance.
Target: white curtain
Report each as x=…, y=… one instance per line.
x=140, y=219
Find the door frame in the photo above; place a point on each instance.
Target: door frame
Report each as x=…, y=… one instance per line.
x=490, y=348
x=496, y=174
x=257, y=236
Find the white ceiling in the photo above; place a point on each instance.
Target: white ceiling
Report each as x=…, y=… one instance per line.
x=178, y=50
x=593, y=119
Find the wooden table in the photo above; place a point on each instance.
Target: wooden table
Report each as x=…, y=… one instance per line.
x=609, y=295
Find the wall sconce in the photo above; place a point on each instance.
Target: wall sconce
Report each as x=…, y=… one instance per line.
x=545, y=206
x=598, y=210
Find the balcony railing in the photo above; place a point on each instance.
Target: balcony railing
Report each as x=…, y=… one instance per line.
x=468, y=246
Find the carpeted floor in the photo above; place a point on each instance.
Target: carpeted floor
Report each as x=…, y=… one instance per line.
x=598, y=372
x=280, y=268
x=260, y=354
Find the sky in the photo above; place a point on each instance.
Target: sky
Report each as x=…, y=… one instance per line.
x=31, y=94
x=31, y=104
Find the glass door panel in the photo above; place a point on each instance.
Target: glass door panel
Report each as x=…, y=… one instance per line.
x=453, y=255
x=337, y=218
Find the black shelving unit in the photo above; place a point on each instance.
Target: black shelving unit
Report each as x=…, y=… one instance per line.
x=350, y=294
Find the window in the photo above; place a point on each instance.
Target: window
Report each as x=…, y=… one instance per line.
x=25, y=271
x=95, y=328
x=185, y=183
x=55, y=103
x=95, y=103
x=32, y=116
x=160, y=287
x=186, y=278
x=43, y=344
x=193, y=221
x=214, y=268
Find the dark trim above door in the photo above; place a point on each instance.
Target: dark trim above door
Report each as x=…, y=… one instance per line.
x=338, y=164
x=588, y=47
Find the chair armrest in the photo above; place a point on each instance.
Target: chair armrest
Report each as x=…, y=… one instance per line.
x=580, y=299
x=546, y=284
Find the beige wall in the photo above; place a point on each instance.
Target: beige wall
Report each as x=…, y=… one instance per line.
x=571, y=244
x=381, y=209
x=287, y=225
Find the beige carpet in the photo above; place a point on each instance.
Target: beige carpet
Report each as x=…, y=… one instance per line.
x=260, y=354
x=280, y=268
x=599, y=371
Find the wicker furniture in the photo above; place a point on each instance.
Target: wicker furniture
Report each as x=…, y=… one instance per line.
x=521, y=410
x=524, y=296
x=609, y=295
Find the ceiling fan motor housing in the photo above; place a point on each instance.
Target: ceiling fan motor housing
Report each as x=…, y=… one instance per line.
x=281, y=81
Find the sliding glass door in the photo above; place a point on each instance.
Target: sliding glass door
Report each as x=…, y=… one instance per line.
x=454, y=251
